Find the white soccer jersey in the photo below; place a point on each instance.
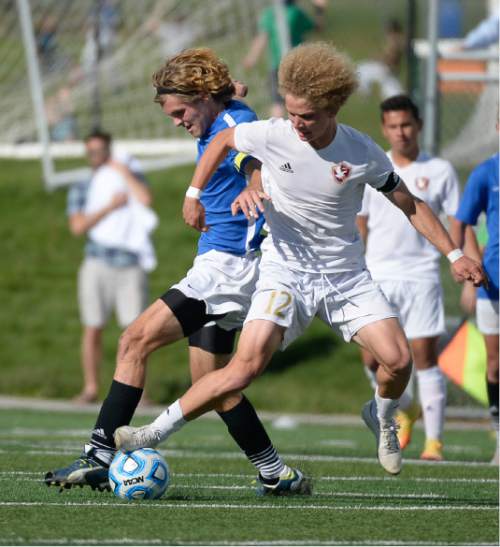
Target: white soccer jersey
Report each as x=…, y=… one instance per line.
x=315, y=194
x=395, y=250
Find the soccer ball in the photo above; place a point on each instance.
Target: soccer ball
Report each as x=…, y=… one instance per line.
x=141, y=474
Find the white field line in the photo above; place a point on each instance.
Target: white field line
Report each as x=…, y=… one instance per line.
x=339, y=478
x=38, y=432
x=320, y=494
x=265, y=507
x=175, y=453
x=179, y=541
x=72, y=445
x=480, y=421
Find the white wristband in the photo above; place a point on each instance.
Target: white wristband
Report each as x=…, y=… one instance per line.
x=454, y=255
x=193, y=192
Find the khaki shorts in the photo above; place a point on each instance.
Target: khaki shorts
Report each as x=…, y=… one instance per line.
x=103, y=289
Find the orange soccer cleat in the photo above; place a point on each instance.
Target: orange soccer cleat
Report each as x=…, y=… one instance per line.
x=406, y=419
x=433, y=451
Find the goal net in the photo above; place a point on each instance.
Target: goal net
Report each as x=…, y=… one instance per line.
x=69, y=66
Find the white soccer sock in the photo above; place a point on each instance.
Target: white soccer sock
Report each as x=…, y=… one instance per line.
x=432, y=392
x=169, y=421
x=372, y=377
x=407, y=397
x=386, y=408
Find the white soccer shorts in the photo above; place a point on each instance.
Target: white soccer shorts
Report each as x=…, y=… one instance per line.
x=346, y=301
x=225, y=282
x=487, y=316
x=419, y=305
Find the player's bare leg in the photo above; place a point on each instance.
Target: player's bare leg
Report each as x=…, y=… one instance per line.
x=432, y=392
x=257, y=344
x=155, y=327
x=409, y=410
x=91, y=356
x=387, y=342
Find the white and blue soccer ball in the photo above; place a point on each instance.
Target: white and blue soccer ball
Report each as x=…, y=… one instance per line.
x=141, y=474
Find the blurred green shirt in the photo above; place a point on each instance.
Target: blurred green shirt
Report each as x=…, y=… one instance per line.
x=299, y=24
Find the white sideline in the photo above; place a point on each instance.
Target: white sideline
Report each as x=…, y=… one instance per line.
x=156, y=541
x=479, y=416
x=316, y=494
x=249, y=506
x=340, y=478
x=239, y=456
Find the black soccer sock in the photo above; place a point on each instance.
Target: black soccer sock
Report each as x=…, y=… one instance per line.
x=493, y=402
x=247, y=430
x=117, y=410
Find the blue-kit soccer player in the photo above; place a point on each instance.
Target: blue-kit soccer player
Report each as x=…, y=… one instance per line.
x=195, y=90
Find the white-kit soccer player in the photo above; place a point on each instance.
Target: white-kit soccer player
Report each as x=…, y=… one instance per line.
x=406, y=266
x=195, y=90
x=314, y=171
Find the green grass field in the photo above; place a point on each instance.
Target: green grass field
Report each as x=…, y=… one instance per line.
x=211, y=499
x=39, y=322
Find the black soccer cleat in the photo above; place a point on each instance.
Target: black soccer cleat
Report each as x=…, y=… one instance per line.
x=291, y=483
x=85, y=471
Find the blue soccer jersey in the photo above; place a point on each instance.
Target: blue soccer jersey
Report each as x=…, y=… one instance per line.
x=481, y=195
x=228, y=233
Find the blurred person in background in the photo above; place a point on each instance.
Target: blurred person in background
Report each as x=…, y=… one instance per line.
x=481, y=196
x=384, y=72
x=174, y=29
x=406, y=267
x=61, y=116
x=113, y=274
x=484, y=34
x=299, y=25
x=46, y=42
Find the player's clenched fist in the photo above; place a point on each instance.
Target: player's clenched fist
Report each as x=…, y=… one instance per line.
x=193, y=213
x=466, y=269
x=250, y=203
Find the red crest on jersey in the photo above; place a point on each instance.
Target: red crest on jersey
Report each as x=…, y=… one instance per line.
x=422, y=183
x=341, y=172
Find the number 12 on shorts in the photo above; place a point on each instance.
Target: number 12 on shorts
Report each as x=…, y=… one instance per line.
x=278, y=301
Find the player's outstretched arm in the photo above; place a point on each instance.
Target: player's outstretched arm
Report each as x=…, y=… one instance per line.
x=428, y=224
x=464, y=237
x=250, y=201
x=193, y=211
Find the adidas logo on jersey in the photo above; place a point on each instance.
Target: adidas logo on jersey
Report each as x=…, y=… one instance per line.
x=287, y=168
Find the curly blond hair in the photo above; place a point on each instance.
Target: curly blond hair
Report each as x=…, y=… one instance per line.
x=318, y=73
x=192, y=74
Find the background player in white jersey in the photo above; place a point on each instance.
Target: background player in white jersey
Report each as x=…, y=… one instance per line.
x=314, y=171
x=195, y=90
x=406, y=266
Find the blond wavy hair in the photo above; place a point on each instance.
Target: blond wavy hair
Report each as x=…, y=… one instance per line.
x=318, y=73
x=192, y=74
